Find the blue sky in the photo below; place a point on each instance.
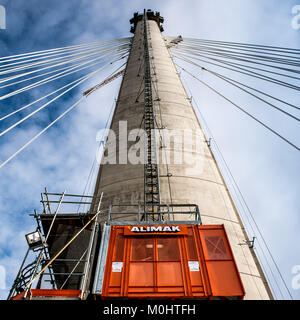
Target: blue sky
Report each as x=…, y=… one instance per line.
x=266, y=169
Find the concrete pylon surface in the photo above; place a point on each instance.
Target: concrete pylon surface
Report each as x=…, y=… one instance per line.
x=197, y=178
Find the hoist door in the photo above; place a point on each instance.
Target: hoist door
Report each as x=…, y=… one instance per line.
x=185, y=261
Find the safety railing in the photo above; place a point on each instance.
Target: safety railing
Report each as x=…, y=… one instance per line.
x=122, y=214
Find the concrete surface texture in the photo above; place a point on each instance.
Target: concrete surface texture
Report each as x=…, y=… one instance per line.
x=199, y=182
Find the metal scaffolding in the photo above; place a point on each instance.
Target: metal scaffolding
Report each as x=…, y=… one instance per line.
x=69, y=271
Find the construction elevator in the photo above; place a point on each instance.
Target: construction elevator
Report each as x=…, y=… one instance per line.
x=154, y=228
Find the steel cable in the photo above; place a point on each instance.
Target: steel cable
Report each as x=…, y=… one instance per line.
x=76, y=83
x=42, y=52
x=244, y=111
x=57, y=76
x=246, y=72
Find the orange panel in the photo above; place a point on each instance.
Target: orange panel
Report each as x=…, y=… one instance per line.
x=196, y=278
x=115, y=279
x=214, y=244
x=167, y=249
x=141, y=274
x=195, y=263
x=55, y=293
x=114, y=290
x=140, y=290
x=169, y=274
x=223, y=275
x=142, y=249
x=224, y=279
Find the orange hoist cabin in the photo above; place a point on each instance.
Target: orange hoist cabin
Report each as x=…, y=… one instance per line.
x=166, y=260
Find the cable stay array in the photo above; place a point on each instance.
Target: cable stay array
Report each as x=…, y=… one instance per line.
x=64, y=69
x=235, y=64
x=43, y=78
x=194, y=58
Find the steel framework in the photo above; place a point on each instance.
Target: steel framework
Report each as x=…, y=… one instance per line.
x=151, y=174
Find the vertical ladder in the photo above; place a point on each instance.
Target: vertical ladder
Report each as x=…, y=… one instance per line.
x=151, y=175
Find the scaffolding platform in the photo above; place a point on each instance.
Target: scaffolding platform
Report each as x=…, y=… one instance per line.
x=63, y=218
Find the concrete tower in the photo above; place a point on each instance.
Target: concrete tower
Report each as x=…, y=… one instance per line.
x=181, y=181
